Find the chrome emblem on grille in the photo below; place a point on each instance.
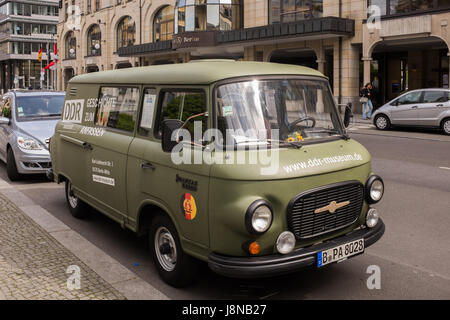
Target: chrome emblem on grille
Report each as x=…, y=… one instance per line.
x=332, y=207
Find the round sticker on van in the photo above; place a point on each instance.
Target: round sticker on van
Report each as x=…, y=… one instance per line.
x=188, y=206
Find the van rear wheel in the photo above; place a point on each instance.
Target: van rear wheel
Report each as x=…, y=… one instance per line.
x=77, y=208
x=174, y=266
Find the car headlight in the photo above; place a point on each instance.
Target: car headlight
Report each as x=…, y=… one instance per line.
x=374, y=189
x=28, y=144
x=372, y=218
x=258, y=217
x=285, y=242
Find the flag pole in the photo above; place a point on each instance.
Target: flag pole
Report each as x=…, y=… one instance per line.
x=40, y=74
x=48, y=62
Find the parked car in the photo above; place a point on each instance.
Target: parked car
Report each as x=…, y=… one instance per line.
x=114, y=149
x=421, y=108
x=27, y=121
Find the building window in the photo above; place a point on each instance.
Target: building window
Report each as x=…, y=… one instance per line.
x=295, y=10
x=94, y=39
x=193, y=15
x=97, y=5
x=89, y=6
x=398, y=7
x=71, y=46
x=126, y=33
x=163, y=25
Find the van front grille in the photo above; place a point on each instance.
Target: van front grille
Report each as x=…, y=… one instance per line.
x=305, y=223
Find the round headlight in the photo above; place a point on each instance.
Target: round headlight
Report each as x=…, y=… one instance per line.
x=285, y=242
x=258, y=217
x=372, y=218
x=374, y=189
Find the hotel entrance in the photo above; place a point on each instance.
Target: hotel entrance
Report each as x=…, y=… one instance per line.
x=396, y=68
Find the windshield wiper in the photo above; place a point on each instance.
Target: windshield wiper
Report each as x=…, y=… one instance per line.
x=294, y=144
x=342, y=135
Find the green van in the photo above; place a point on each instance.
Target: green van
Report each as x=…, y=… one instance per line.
x=244, y=165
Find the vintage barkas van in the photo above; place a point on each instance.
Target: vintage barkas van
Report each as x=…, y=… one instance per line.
x=244, y=165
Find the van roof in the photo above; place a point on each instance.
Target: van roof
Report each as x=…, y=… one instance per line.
x=194, y=72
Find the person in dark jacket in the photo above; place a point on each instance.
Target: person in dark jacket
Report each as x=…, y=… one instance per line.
x=366, y=96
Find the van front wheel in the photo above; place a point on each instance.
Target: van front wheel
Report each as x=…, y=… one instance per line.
x=77, y=208
x=174, y=266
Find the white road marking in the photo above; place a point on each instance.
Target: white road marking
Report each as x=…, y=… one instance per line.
x=445, y=168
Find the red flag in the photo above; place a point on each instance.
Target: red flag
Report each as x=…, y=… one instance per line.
x=55, y=50
x=49, y=65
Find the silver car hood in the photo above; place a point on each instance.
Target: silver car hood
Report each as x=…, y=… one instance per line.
x=38, y=129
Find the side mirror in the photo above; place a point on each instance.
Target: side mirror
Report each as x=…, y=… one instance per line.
x=168, y=127
x=348, y=114
x=4, y=120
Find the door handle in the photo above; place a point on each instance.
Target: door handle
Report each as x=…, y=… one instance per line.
x=147, y=165
x=439, y=105
x=414, y=107
x=87, y=146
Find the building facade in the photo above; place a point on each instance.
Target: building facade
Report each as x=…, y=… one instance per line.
x=26, y=27
x=397, y=44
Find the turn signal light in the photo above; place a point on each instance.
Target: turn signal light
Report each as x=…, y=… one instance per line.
x=254, y=248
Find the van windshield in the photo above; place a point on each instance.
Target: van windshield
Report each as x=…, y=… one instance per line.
x=35, y=106
x=282, y=110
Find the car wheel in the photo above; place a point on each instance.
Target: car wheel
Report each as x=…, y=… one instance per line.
x=11, y=168
x=382, y=122
x=445, y=126
x=174, y=266
x=77, y=208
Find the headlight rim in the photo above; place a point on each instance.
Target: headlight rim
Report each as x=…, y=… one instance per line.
x=249, y=215
x=368, y=186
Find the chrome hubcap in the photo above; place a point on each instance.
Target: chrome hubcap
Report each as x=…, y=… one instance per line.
x=73, y=200
x=165, y=249
x=381, y=122
x=447, y=126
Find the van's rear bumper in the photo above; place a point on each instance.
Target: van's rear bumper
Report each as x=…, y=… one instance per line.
x=264, y=266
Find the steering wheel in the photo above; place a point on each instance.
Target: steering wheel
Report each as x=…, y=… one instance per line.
x=301, y=120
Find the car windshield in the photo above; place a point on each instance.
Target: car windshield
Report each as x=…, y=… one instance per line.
x=289, y=111
x=39, y=106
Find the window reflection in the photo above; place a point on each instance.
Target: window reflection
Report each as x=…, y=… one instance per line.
x=405, y=6
x=71, y=46
x=295, y=10
x=126, y=32
x=94, y=41
x=163, y=25
x=207, y=15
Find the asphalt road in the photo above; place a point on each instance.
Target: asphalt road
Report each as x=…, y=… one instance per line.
x=413, y=255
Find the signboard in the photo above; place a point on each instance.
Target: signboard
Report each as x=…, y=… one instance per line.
x=194, y=39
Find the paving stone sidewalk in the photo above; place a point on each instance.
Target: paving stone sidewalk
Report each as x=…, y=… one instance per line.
x=33, y=264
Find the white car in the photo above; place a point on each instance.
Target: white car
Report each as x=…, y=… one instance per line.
x=419, y=108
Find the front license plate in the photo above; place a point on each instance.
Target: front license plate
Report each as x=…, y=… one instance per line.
x=339, y=253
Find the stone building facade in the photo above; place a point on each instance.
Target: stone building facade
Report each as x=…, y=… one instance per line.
x=397, y=44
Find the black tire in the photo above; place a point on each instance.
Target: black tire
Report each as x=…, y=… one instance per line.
x=382, y=122
x=445, y=126
x=11, y=168
x=184, y=266
x=77, y=208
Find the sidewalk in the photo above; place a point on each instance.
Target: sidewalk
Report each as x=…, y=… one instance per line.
x=36, y=251
x=357, y=118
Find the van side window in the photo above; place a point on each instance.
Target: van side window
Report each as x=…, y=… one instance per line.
x=148, y=110
x=117, y=108
x=181, y=105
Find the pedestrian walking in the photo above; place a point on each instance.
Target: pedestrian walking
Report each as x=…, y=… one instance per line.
x=366, y=102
